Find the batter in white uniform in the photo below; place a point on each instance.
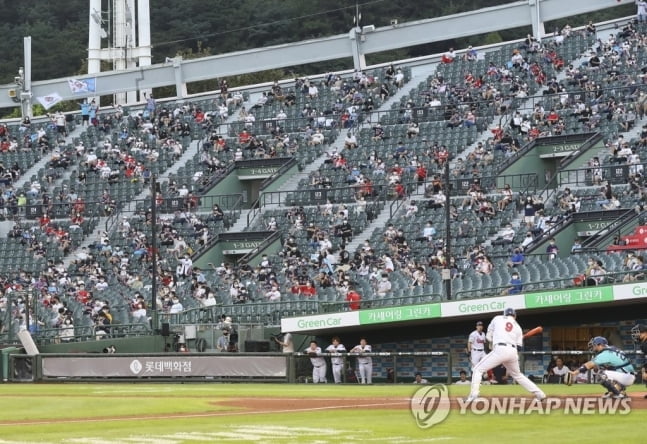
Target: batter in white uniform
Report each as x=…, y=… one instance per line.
x=318, y=363
x=337, y=361
x=476, y=344
x=505, y=337
x=365, y=362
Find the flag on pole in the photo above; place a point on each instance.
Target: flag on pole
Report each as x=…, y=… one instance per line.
x=49, y=100
x=80, y=86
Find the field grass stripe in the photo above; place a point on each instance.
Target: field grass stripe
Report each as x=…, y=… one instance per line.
x=193, y=415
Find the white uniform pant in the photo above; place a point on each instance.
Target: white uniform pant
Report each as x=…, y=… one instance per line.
x=319, y=374
x=336, y=372
x=506, y=355
x=476, y=356
x=620, y=377
x=366, y=373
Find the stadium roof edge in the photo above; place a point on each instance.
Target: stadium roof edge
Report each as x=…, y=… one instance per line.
x=310, y=51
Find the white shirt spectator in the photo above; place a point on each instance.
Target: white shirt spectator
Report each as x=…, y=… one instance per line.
x=317, y=138
x=508, y=233
x=139, y=312
x=101, y=285
x=429, y=232
x=183, y=192
x=209, y=301
x=560, y=371
x=223, y=111
x=177, y=306
x=383, y=286
x=412, y=209
x=273, y=295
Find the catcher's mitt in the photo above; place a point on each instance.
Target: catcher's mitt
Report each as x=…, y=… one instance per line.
x=569, y=378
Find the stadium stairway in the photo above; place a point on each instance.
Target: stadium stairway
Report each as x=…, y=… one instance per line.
x=418, y=74
x=505, y=119
x=338, y=145
x=25, y=177
x=379, y=222
x=186, y=157
x=42, y=163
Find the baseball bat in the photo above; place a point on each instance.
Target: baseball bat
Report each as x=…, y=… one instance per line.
x=534, y=331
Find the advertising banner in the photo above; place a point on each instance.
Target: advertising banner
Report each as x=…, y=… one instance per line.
x=164, y=366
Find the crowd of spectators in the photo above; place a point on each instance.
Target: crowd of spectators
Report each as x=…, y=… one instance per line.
x=313, y=255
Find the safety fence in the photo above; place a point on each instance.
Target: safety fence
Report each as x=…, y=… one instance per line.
x=386, y=367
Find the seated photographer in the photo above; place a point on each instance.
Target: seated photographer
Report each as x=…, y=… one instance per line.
x=222, y=345
x=228, y=342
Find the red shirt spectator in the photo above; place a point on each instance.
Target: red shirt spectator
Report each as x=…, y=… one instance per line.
x=397, y=169
x=307, y=289
x=77, y=219
x=421, y=173
x=367, y=188
x=442, y=155
x=497, y=131
x=552, y=117
x=399, y=190
x=82, y=295
x=244, y=137
x=79, y=206
x=221, y=143
x=353, y=298
x=44, y=220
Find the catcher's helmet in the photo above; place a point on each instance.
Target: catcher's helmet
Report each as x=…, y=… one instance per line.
x=636, y=330
x=598, y=340
x=509, y=312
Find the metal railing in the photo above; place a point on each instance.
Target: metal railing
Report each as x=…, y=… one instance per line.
x=614, y=174
x=553, y=140
x=617, y=227
x=334, y=307
x=248, y=313
x=577, y=281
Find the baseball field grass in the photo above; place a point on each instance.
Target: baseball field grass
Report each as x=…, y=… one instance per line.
x=306, y=413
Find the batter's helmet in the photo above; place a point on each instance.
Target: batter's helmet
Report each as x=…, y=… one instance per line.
x=509, y=312
x=598, y=340
x=636, y=330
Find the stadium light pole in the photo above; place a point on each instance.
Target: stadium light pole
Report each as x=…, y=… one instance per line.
x=446, y=272
x=154, y=317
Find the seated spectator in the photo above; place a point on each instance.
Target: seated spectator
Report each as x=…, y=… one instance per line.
x=383, y=286
x=552, y=250
x=350, y=141
x=413, y=130
x=516, y=286
x=506, y=236
x=558, y=371
x=484, y=265
x=596, y=274
x=419, y=379
x=378, y=133
x=462, y=380
x=449, y=56
x=516, y=259
x=506, y=199
x=635, y=264
x=353, y=299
